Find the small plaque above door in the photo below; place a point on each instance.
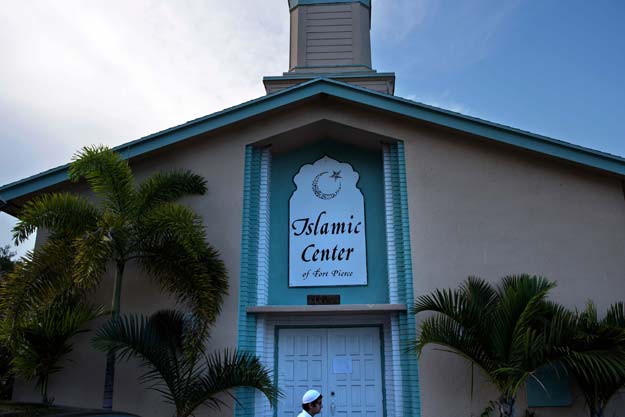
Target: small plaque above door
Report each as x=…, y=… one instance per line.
x=325, y=299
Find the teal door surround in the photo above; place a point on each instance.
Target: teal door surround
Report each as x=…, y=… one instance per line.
x=256, y=263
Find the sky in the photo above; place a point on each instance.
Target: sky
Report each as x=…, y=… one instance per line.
x=76, y=73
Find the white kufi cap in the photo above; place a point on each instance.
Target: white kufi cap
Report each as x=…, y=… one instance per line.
x=310, y=396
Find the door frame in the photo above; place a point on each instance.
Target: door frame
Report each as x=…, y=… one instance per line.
x=382, y=322
x=378, y=326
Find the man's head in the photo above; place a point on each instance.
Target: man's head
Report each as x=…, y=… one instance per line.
x=312, y=402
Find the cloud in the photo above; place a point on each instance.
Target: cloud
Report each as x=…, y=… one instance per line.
x=75, y=72
x=442, y=35
x=477, y=27
x=396, y=20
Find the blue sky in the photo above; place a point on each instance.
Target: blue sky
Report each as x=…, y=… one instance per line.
x=77, y=73
x=551, y=67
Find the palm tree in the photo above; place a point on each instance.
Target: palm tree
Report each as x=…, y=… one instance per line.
x=40, y=279
x=171, y=346
x=41, y=309
x=503, y=330
x=595, y=355
x=130, y=223
x=43, y=340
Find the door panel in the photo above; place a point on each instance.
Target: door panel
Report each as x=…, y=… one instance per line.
x=344, y=364
x=301, y=366
x=358, y=392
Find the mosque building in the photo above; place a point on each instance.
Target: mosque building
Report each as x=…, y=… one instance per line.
x=335, y=203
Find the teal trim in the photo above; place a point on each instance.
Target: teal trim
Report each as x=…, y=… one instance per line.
x=372, y=74
x=246, y=331
x=383, y=370
x=301, y=67
x=294, y=3
x=276, y=358
x=550, y=387
x=284, y=167
x=407, y=322
x=411, y=325
x=34, y=183
x=335, y=326
x=323, y=86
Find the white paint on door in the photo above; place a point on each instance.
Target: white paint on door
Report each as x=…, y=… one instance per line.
x=306, y=359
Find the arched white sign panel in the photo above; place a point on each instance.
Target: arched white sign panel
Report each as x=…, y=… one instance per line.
x=327, y=239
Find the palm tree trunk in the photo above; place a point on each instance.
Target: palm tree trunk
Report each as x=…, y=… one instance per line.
x=596, y=407
x=44, y=390
x=109, y=376
x=506, y=407
x=598, y=412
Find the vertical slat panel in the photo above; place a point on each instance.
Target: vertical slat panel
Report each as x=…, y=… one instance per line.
x=404, y=333
x=249, y=268
x=262, y=407
x=390, y=224
x=263, y=227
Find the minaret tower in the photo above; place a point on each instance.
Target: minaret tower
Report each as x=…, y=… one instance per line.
x=330, y=38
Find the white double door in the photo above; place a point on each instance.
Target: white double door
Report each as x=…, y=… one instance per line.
x=342, y=363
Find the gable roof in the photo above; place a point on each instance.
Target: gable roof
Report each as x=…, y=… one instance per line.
x=324, y=86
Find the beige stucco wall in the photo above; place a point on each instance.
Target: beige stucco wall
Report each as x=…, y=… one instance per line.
x=475, y=208
x=487, y=211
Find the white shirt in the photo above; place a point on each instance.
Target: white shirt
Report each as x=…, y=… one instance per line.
x=304, y=414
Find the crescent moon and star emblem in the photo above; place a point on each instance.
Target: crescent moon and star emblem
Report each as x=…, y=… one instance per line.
x=336, y=175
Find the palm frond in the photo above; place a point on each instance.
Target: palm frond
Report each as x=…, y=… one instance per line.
x=560, y=328
x=155, y=340
x=521, y=305
x=480, y=293
x=173, y=224
x=45, y=338
x=444, y=331
x=198, y=283
x=187, y=380
x=447, y=301
x=589, y=317
x=593, y=351
x=93, y=250
x=166, y=187
x=224, y=371
x=469, y=305
x=528, y=339
x=525, y=283
x=64, y=215
x=41, y=278
x=108, y=175
x=597, y=365
x=616, y=315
